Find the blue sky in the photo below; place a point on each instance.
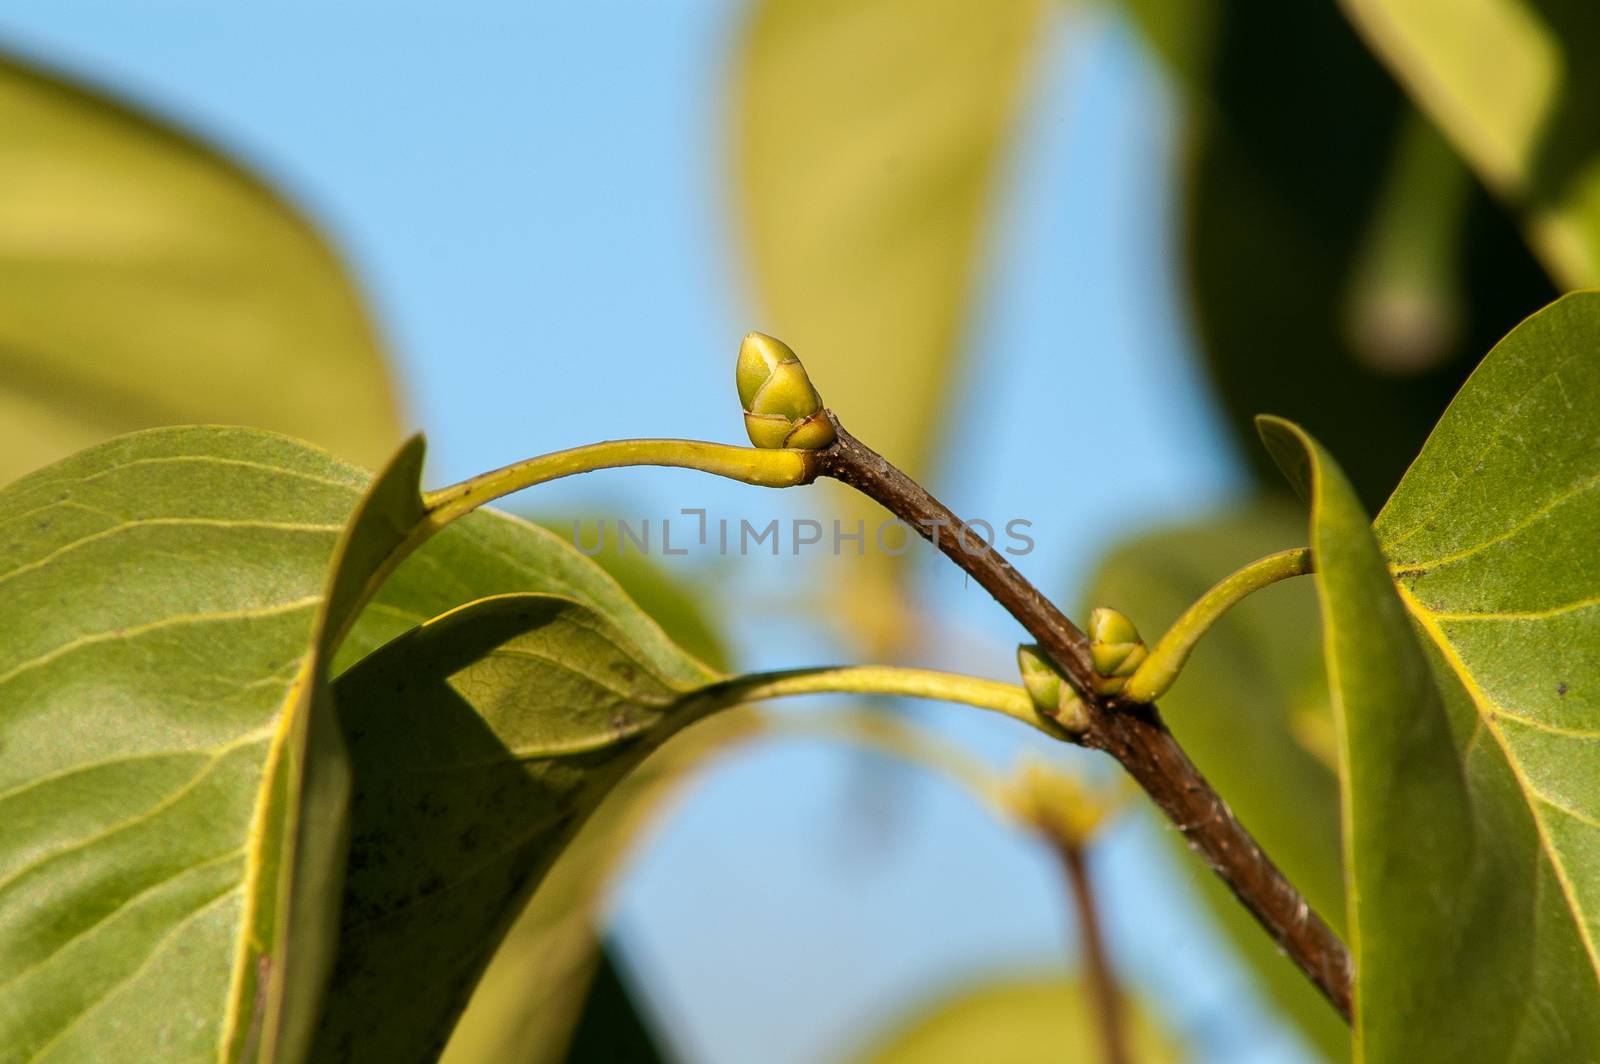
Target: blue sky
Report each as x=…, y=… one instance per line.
x=536, y=203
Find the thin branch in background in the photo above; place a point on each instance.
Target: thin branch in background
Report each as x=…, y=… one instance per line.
x=1131, y=733
x=1067, y=817
x=1108, y=1005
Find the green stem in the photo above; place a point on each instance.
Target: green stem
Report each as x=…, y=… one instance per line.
x=1166, y=658
x=1004, y=698
x=763, y=467
x=768, y=468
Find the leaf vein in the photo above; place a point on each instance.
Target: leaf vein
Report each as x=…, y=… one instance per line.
x=162, y=522
x=73, y=770
x=1487, y=710
x=121, y=984
x=1493, y=441
x=131, y=899
x=176, y=620
x=143, y=815
x=208, y=459
x=1567, y=810
x=1513, y=530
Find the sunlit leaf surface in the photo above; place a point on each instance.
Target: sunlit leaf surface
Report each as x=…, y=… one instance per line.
x=172, y=785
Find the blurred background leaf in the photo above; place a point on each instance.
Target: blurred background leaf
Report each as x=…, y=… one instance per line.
x=869, y=136
x=147, y=280
x=1514, y=84
x=1251, y=708
x=868, y=140
x=1014, y=1021
x=1342, y=271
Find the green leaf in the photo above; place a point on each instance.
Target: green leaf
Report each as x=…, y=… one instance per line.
x=173, y=786
x=1469, y=939
x=1018, y=1021
x=543, y=980
x=170, y=776
x=1251, y=709
x=868, y=137
x=1510, y=82
x=146, y=280
x=479, y=741
x=1340, y=273
x=674, y=602
x=1490, y=538
x=490, y=552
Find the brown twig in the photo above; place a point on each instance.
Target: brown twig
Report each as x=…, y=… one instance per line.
x=1133, y=734
x=1097, y=963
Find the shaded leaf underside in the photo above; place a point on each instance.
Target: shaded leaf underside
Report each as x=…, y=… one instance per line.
x=480, y=740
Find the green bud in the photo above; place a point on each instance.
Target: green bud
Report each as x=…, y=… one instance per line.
x=1042, y=683
x=1053, y=694
x=1117, y=650
x=767, y=431
x=781, y=408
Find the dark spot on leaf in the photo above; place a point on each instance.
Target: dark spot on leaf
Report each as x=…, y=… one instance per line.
x=1561, y=689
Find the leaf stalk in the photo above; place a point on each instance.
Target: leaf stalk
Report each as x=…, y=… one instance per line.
x=1003, y=698
x=1167, y=657
x=763, y=467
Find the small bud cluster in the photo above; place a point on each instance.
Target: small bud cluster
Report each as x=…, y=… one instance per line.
x=781, y=408
x=1118, y=652
x=1052, y=694
x=1117, y=649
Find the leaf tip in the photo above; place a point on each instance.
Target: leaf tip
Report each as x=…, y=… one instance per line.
x=1290, y=447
